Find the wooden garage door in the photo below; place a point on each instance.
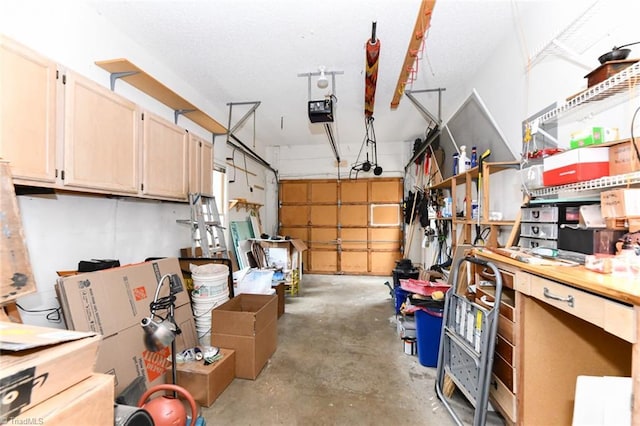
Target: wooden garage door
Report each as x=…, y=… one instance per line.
x=350, y=227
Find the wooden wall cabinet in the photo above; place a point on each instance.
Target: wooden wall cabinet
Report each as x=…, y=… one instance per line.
x=101, y=149
x=200, y=166
x=164, y=159
x=29, y=91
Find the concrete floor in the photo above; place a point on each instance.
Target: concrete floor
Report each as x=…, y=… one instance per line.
x=339, y=361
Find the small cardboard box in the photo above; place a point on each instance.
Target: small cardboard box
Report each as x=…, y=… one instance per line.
x=89, y=402
x=620, y=203
x=576, y=165
x=39, y=362
x=207, y=382
x=111, y=300
x=247, y=324
x=124, y=355
x=623, y=158
x=593, y=136
x=280, y=293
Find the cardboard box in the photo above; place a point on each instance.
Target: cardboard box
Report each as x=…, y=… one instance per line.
x=620, y=203
x=280, y=293
x=576, y=165
x=90, y=402
x=623, y=158
x=295, y=247
x=247, y=324
x=124, y=355
x=16, y=276
x=593, y=136
x=111, y=300
x=207, y=382
x=39, y=362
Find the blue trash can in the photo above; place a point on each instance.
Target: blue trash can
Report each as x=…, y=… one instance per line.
x=428, y=328
x=400, y=297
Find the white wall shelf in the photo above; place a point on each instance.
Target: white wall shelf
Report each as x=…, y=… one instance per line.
x=600, y=183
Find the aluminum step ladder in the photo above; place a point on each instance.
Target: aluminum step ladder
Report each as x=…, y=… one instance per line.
x=467, y=344
x=206, y=227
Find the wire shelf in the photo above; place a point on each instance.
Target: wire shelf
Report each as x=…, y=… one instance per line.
x=600, y=183
x=618, y=83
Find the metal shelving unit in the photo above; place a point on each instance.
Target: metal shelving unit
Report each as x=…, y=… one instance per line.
x=600, y=183
x=616, y=84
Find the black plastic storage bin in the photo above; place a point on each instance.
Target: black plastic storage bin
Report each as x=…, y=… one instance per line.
x=404, y=270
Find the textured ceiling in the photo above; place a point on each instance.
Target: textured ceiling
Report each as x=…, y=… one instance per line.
x=241, y=50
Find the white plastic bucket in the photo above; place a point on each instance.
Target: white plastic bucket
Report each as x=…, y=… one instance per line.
x=202, y=307
x=211, y=284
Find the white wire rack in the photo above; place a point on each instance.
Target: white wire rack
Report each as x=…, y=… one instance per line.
x=618, y=83
x=600, y=183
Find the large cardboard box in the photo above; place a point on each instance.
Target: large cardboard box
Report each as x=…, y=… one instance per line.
x=247, y=324
x=623, y=158
x=207, y=382
x=294, y=246
x=39, y=362
x=89, y=402
x=124, y=355
x=111, y=300
x=576, y=165
x=620, y=203
x=280, y=293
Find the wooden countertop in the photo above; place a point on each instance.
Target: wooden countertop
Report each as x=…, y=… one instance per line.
x=615, y=287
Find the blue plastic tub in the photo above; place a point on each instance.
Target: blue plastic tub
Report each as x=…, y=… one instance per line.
x=428, y=328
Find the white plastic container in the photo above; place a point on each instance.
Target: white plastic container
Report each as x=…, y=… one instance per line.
x=464, y=163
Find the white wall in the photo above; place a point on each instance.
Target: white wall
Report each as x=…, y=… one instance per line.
x=64, y=229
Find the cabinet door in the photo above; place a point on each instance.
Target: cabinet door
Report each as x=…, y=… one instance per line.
x=101, y=138
x=164, y=158
x=27, y=112
x=206, y=169
x=200, y=166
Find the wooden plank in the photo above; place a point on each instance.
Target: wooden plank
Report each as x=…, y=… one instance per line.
x=16, y=276
x=423, y=21
x=149, y=85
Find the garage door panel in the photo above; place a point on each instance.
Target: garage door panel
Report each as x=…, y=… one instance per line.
x=382, y=263
x=354, y=261
x=324, y=238
x=323, y=261
x=294, y=192
x=324, y=215
x=294, y=215
x=385, y=214
x=299, y=233
x=354, y=238
x=355, y=215
x=353, y=191
x=389, y=191
x=386, y=238
x=324, y=192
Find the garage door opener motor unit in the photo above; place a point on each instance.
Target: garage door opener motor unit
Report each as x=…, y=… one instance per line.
x=321, y=111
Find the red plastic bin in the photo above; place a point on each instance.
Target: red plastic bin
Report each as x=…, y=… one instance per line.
x=425, y=288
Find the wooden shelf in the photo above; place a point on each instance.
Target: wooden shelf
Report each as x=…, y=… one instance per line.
x=247, y=205
x=125, y=70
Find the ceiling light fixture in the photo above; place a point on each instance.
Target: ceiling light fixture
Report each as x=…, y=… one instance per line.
x=323, y=81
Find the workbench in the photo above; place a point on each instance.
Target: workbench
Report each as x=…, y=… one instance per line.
x=556, y=323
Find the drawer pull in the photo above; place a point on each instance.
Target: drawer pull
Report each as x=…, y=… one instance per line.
x=535, y=230
x=568, y=299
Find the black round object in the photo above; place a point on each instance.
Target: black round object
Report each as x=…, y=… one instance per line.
x=614, y=55
x=366, y=166
x=377, y=171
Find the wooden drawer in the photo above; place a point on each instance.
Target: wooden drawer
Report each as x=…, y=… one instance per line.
x=503, y=399
x=503, y=371
x=487, y=294
x=504, y=349
x=506, y=329
x=486, y=274
x=581, y=304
